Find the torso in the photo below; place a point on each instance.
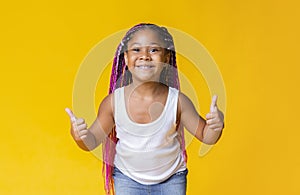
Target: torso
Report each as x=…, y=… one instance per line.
x=145, y=109
x=156, y=140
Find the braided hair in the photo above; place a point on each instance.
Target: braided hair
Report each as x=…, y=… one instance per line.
x=120, y=76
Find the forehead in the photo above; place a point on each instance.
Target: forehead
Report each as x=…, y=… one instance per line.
x=146, y=37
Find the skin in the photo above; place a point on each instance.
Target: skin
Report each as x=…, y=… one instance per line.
x=146, y=58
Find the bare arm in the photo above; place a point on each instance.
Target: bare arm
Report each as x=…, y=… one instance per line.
x=89, y=138
x=207, y=131
x=104, y=122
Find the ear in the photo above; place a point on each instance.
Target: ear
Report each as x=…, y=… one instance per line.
x=126, y=58
x=167, y=57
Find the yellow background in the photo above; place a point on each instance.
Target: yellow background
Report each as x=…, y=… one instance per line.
x=255, y=44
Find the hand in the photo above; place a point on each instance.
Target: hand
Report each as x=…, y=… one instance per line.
x=215, y=118
x=78, y=126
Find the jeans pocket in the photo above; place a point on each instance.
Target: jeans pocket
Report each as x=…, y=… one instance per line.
x=184, y=172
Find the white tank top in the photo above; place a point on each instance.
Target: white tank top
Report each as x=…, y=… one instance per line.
x=148, y=153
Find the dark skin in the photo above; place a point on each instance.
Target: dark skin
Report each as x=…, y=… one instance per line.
x=145, y=59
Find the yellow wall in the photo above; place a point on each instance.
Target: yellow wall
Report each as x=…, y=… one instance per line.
x=255, y=44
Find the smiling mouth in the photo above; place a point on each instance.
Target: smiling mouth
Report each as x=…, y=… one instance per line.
x=144, y=66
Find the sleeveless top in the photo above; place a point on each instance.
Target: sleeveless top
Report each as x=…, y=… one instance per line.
x=148, y=153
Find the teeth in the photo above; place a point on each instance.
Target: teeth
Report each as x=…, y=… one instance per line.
x=144, y=67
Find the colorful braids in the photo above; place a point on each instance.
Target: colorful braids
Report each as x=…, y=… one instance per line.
x=121, y=77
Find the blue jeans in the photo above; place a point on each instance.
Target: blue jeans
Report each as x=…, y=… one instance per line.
x=175, y=185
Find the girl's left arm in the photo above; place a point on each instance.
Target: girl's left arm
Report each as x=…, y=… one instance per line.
x=207, y=131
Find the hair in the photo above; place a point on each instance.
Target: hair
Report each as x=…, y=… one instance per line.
x=120, y=77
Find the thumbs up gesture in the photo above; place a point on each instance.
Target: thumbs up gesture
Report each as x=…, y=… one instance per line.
x=78, y=126
x=215, y=118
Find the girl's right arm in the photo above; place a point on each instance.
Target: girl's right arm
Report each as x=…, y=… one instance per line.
x=89, y=138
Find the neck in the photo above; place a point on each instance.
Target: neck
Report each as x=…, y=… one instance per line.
x=145, y=89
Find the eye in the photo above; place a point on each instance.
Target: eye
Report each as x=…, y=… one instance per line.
x=154, y=49
x=135, y=49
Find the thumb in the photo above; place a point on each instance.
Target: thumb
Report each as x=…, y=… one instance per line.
x=213, y=105
x=71, y=115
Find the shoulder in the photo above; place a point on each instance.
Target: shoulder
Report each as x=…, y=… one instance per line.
x=183, y=98
x=107, y=104
x=184, y=102
x=109, y=99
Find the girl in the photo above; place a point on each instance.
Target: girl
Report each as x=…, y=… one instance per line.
x=140, y=122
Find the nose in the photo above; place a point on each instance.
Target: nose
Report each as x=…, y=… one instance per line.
x=145, y=55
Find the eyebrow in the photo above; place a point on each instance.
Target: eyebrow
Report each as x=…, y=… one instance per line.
x=136, y=43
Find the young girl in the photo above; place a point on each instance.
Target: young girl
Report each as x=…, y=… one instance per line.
x=140, y=122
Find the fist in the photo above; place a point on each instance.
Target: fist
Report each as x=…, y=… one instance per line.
x=78, y=126
x=215, y=118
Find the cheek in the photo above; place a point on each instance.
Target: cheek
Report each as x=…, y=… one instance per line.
x=130, y=66
x=160, y=58
x=131, y=60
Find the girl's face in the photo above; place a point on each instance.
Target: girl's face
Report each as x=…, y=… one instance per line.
x=146, y=56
